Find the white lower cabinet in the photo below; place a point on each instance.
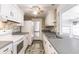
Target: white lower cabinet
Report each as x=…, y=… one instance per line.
x=7, y=49
x=26, y=41
x=49, y=49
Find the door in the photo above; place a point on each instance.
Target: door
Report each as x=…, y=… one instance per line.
x=36, y=29
x=37, y=24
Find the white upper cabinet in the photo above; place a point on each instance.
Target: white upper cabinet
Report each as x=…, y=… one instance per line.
x=12, y=12
x=4, y=12
x=20, y=17
x=16, y=15
x=50, y=18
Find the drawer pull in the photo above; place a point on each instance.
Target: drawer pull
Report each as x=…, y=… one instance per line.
x=5, y=50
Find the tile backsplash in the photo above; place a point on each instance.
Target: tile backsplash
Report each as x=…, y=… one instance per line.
x=7, y=25
x=1, y=25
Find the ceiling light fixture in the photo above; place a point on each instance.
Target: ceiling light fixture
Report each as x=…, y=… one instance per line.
x=36, y=10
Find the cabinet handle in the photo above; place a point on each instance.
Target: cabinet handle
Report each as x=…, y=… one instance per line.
x=5, y=49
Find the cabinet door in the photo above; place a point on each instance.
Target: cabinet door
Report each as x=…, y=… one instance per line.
x=26, y=41
x=17, y=15
x=5, y=8
x=13, y=13
x=20, y=17
x=66, y=30
x=50, y=18
x=46, y=45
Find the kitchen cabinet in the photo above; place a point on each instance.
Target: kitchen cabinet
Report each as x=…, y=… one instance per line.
x=28, y=28
x=26, y=41
x=17, y=15
x=20, y=17
x=50, y=18
x=12, y=12
x=49, y=49
x=4, y=12
x=7, y=49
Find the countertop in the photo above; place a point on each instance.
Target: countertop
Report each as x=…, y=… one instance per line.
x=12, y=38
x=64, y=45
x=20, y=33
x=7, y=39
x=4, y=43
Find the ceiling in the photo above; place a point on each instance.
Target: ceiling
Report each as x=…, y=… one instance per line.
x=28, y=10
x=66, y=7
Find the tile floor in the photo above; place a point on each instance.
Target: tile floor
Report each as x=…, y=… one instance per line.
x=35, y=48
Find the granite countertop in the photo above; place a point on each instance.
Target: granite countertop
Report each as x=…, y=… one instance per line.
x=4, y=43
x=64, y=45
x=20, y=33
